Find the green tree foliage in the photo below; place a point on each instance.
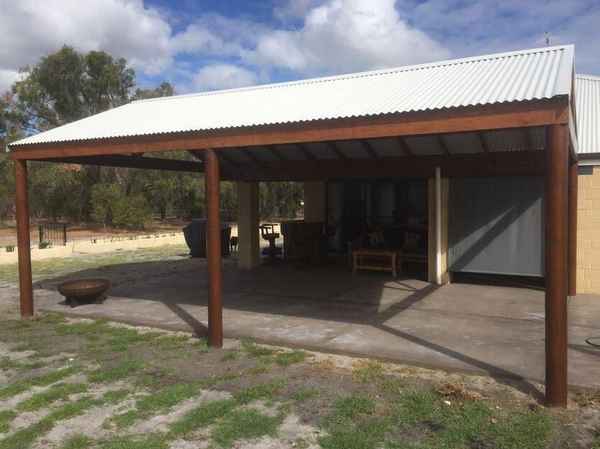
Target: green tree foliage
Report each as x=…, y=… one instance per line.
x=132, y=212
x=112, y=206
x=280, y=199
x=54, y=191
x=104, y=198
x=7, y=187
x=164, y=90
x=68, y=85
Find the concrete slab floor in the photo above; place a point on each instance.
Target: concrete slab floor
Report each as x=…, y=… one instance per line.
x=475, y=328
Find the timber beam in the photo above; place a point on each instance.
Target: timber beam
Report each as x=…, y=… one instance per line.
x=480, y=118
x=522, y=163
x=150, y=163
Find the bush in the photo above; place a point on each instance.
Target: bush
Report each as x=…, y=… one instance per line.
x=104, y=200
x=132, y=212
x=45, y=244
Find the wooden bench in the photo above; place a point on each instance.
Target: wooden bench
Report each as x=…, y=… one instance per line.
x=376, y=259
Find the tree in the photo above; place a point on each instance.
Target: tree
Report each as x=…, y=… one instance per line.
x=67, y=86
x=7, y=187
x=12, y=120
x=164, y=90
x=63, y=87
x=132, y=212
x=104, y=199
x=280, y=199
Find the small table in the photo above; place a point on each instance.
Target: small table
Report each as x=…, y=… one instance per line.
x=376, y=259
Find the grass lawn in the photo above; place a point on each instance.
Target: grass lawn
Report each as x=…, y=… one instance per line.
x=58, y=266
x=74, y=384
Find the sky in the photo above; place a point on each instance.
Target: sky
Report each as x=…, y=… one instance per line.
x=217, y=44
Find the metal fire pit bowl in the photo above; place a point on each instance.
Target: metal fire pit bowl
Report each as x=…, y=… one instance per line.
x=84, y=291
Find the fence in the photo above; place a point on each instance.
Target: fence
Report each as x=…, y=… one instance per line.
x=54, y=233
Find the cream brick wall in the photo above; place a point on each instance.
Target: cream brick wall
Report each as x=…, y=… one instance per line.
x=588, y=232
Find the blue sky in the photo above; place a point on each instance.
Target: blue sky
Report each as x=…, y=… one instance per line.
x=207, y=45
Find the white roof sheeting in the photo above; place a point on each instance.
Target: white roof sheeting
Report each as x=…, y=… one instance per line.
x=526, y=75
x=587, y=105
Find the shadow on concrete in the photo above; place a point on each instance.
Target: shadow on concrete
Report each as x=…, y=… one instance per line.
x=321, y=293
x=586, y=350
x=196, y=326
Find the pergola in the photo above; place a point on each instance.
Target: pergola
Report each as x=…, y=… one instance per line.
x=500, y=115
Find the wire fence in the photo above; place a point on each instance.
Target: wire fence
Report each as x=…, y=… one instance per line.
x=52, y=234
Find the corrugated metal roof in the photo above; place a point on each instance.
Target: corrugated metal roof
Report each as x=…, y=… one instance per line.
x=499, y=78
x=587, y=105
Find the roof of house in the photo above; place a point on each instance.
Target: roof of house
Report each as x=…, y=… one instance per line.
x=587, y=104
x=518, y=76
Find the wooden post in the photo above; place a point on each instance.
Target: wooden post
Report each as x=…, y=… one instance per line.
x=23, y=239
x=556, y=205
x=213, y=249
x=573, y=189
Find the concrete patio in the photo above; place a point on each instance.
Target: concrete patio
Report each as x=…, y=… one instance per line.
x=492, y=330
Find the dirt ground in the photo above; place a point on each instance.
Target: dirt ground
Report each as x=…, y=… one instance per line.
x=69, y=383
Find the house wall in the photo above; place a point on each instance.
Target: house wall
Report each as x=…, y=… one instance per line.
x=588, y=230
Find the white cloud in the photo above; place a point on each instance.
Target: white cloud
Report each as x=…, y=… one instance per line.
x=471, y=27
x=294, y=9
x=7, y=78
x=346, y=35
x=331, y=36
x=213, y=34
x=309, y=38
x=223, y=76
x=31, y=29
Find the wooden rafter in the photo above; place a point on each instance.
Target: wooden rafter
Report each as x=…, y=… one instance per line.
x=228, y=159
x=306, y=152
x=253, y=158
x=368, y=147
x=336, y=150
x=275, y=152
x=442, y=143
x=525, y=163
x=528, y=138
x=484, y=145
x=404, y=147
x=149, y=163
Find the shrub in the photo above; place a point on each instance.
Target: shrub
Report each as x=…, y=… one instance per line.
x=132, y=212
x=45, y=244
x=10, y=248
x=104, y=199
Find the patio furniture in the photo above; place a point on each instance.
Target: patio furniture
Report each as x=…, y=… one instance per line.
x=376, y=260
x=84, y=291
x=267, y=232
x=233, y=244
x=195, y=237
x=305, y=242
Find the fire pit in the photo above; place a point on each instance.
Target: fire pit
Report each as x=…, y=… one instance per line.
x=84, y=291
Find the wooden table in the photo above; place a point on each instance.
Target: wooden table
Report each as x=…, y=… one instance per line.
x=376, y=259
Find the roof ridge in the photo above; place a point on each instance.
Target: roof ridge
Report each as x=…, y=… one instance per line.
x=587, y=77
x=368, y=73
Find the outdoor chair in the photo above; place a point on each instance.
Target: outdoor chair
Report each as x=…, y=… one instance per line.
x=267, y=232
